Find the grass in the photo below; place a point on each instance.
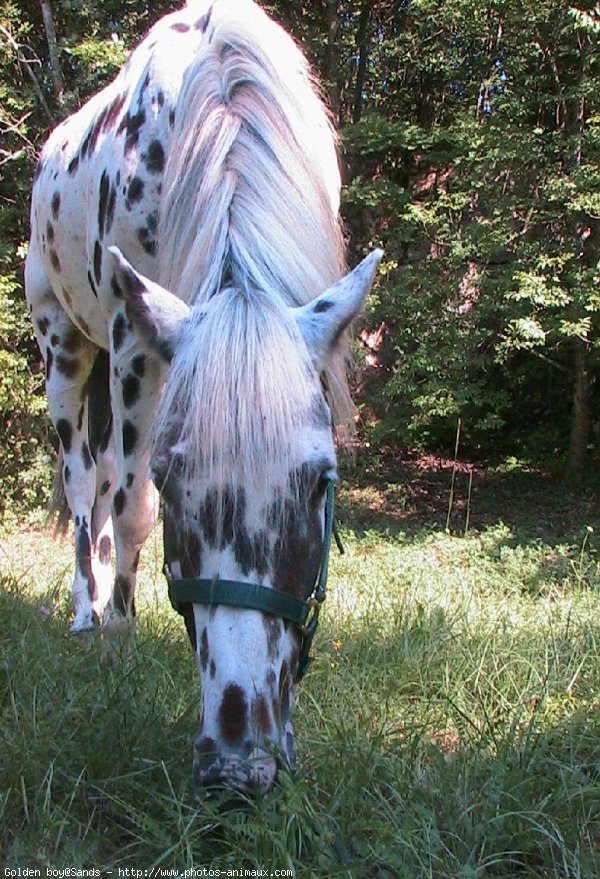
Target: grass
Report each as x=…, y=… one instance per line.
x=449, y=726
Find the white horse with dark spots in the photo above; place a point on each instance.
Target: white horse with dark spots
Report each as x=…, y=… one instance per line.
x=186, y=281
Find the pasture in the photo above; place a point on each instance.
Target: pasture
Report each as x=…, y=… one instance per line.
x=448, y=727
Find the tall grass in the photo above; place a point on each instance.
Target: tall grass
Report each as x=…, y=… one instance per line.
x=448, y=728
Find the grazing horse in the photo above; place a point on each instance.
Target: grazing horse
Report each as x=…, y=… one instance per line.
x=183, y=278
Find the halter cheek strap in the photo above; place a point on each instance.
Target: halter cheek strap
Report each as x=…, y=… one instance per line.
x=301, y=612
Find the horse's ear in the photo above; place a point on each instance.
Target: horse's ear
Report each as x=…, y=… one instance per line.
x=156, y=314
x=323, y=320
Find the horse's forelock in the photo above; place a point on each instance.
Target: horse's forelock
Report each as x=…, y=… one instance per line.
x=241, y=389
x=252, y=193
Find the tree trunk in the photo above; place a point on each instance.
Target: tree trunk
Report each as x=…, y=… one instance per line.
x=57, y=78
x=362, y=42
x=333, y=59
x=580, y=419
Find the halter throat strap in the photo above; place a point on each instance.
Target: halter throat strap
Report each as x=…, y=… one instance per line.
x=301, y=612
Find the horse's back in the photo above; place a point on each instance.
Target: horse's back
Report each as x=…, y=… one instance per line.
x=101, y=173
x=99, y=177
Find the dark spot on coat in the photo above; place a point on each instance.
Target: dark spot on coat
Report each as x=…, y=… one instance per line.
x=190, y=559
x=91, y=283
x=130, y=435
x=103, y=202
x=135, y=192
x=233, y=715
x=110, y=211
x=80, y=418
x=66, y=474
x=50, y=232
x=55, y=260
x=104, y=549
x=98, y=262
x=261, y=719
x=299, y=548
x=86, y=456
x=152, y=221
x=55, y=205
x=149, y=244
x=130, y=478
x=49, y=361
x=43, y=325
x=72, y=340
x=213, y=668
x=119, y=502
x=116, y=290
x=113, y=110
x=138, y=364
x=171, y=118
x=180, y=27
x=105, y=487
x=273, y=630
x=143, y=88
x=160, y=98
x=73, y=165
x=65, y=433
x=203, y=22
x=83, y=554
x=136, y=561
x=119, y=331
x=68, y=367
x=155, y=157
x=54, y=340
x=132, y=124
x=203, y=654
x=322, y=306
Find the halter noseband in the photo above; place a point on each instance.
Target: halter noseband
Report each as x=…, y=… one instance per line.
x=302, y=612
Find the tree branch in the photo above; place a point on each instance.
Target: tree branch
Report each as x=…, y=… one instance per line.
x=57, y=78
x=26, y=65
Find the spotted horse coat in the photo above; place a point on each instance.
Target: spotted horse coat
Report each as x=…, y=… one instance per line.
x=183, y=282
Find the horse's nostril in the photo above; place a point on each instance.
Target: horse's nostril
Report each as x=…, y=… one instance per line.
x=256, y=775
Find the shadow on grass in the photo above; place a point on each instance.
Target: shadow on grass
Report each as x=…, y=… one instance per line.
x=399, y=494
x=97, y=756
x=411, y=764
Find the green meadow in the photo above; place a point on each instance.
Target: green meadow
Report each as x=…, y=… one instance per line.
x=448, y=727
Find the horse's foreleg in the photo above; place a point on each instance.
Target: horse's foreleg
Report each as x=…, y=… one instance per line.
x=136, y=380
x=69, y=357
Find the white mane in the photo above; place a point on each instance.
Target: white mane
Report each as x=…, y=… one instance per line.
x=250, y=198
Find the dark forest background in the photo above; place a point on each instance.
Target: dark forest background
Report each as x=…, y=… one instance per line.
x=470, y=149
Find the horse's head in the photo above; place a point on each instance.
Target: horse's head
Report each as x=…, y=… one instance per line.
x=243, y=456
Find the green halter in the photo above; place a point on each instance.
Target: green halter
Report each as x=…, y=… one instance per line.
x=302, y=612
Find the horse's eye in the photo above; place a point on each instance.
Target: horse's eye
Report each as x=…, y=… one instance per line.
x=323, y=482
x=176, y=465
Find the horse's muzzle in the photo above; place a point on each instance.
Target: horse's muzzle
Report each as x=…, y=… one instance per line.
x=254, y=774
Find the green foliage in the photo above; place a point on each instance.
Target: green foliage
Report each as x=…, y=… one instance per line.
x=471, y=148
x=24, y=457
x=482, y=187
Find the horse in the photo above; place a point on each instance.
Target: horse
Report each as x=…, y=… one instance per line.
x=187, y=285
